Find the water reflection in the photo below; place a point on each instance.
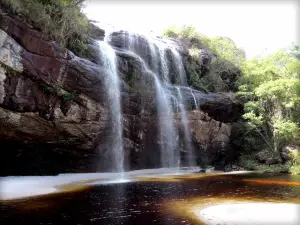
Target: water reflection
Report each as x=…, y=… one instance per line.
x=162, y=200
x=112, y=206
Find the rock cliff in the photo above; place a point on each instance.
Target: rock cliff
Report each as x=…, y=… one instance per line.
x=54, y=109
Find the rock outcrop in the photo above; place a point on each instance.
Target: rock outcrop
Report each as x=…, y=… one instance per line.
x=289, y=152
x=265, y=156
x=54, y=108
x=47, y=93
x=211, y=138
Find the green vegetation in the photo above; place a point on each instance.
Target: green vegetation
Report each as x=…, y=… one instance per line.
x=58, y=92
x=249, y=163
x=295, y=164
x=79, y=47
x=269, y=88
x=62, y=20
x=271, y=93
x=187, y=32
x=47, y=89
x=66, y=96
x=223, y=71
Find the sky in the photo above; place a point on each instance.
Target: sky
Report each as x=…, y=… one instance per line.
x=258, y=27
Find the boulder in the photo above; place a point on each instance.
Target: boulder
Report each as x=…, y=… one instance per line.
x=266, y=156
x=273, y=160
x=263, y=156
x=230, y=168
x=288, y=151
x=218, y=106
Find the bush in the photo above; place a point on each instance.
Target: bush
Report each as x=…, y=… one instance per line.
x=47, y=89
x=295, y=169
x=223, y=72
x=58, y=92
x=194, y=79
x=295, y=163
x=78, y=47
x=180, y=32
x=195, y=53
x=62, y=20
x=171, y=32
x=249, y=163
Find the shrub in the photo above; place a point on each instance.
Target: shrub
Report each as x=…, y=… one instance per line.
x=62, y=20
x=58, y=92
x=171, y=32
x=223, y=72
x=47, y=89
x=180, y=32
x=248, y=162
x=195, y=53
x=194, y=79
x=68, y=96
x=295, y=169
x=78, y=47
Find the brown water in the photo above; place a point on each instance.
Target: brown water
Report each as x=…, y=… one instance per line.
x=149, y=201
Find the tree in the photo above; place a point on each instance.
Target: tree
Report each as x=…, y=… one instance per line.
x=223, y=71
x=270, y=89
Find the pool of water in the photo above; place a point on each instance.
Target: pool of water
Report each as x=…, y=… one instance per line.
x=144, y=201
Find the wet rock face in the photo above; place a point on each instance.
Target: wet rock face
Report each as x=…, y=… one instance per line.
x=218, y=106
x=138, y=43
x=44, y=94
x=211, y=138
x=152, y=52
x=54, y=105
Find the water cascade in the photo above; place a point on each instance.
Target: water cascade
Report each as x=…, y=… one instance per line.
x=112, y=84
x=187, y=137
x=195, y=101
x=161, y=60
x=169, y=149
x=179, y=66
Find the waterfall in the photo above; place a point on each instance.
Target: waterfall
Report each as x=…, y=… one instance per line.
x=161, y=60
x=112, y=83
x=180, y=68
x=169, y=150
x=195, y=101
x=187, y=137
x=170, y=156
